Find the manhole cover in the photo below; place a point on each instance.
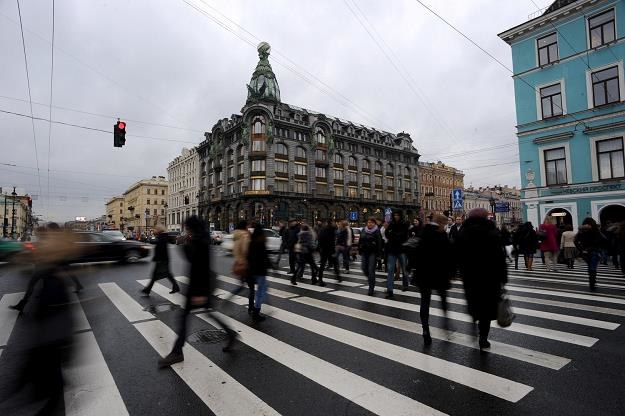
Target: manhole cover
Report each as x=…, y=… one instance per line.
x=208, y=336
x=158, y=308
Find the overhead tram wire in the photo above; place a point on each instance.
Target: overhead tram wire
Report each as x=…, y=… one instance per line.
x=107, y=116
x=51, y=94
x=275, y=51
x=324, y=88
x=97, y=129
x=405, y=77
x=13, y=165
x=19, y=11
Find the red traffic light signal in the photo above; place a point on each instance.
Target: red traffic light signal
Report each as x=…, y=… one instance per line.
x=119, y=134
x=121, y=125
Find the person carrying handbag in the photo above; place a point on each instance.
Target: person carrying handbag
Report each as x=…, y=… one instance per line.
x=241, y=243
x=305, y=256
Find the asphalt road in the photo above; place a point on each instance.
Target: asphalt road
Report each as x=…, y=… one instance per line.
x=332, y=350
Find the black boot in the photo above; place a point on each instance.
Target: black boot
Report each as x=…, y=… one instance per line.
x=232, y=338
x=173, y=358
x=593, y=280
x=427, y=338
x=19, y=306
x=175, y=288
x=256, y=316
x=484, y=343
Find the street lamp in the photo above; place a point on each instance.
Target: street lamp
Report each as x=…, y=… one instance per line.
x=13, y=194
x=147, y=217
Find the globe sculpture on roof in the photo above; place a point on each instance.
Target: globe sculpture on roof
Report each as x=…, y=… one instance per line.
x=263, y=86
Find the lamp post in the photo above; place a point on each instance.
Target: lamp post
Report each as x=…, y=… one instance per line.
x=13, y=194
x=147, y=217
x=5, y=220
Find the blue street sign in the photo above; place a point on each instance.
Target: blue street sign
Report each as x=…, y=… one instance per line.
x=387, y=214
x=353, y=216
x=502, y=207
x=458, y=202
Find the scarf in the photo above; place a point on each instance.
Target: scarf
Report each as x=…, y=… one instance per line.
x=372, y=230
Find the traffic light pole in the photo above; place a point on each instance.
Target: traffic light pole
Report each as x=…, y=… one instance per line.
x=13, y=194
x=5, y=220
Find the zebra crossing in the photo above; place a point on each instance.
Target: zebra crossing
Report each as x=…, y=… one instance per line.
x=333, y=349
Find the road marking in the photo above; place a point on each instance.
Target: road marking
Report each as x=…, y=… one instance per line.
x=334, y=281
x=511, y=351
x=299, y=285
x=569, y=282
x=79, y=319
x=124, y=302
x=564, y=294
x=8, y=316
x=458, y=316
x=90, y=388
x=159, y=289
x=367, y=394
x=272, y=291
x=217, y=389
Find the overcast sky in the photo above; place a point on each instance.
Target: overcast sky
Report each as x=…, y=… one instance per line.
x=165, y=63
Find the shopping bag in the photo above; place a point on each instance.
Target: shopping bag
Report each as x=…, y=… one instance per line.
x=505, y=316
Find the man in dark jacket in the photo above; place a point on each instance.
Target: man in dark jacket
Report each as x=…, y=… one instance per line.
x=482, y=261
x=396, y=236
x=370, y=248
x=201, y=286
x=455, y=229
x=291, y=240
x=161, y=263
x=327, y=250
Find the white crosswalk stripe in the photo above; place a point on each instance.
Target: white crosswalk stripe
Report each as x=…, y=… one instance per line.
x=8, y=317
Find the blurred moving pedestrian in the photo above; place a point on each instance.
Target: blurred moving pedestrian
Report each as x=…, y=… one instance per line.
x=455, y=229
x=344, y=243
x=259, y=264
x=567, y=245
x=396, y=236
x=381, y=258
x=549, y=243
x=612, y=235
x=328, y=251
x=415, y=228
x=305, y=242
x=435, y=268
x=370, y=248
x=589, y=241
x=202, y=282
x=506, y=241
x=483, y=268
x=241, y=243
x=161, y=262
x=292, y=235
x=527, y=243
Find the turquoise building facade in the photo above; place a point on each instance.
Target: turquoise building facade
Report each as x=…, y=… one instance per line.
x=569, y=94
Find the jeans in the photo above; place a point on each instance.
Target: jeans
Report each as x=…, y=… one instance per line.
x=593, y=261
x=344, y=252
x=306, y=258
x=368, y=268
x=331, y=260
x=391, y=261
x=551, y=257
x=261, y=281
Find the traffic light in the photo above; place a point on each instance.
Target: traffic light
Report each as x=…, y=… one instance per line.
x=119, y=134
x=30, y=202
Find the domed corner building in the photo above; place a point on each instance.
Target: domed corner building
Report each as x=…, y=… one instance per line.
x=275, y=161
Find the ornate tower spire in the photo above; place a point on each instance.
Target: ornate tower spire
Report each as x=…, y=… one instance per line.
x=263, y=86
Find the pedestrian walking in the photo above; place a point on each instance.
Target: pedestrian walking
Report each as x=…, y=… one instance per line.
x=396, y=235
x=548, y=233
x=589, y=241
x=305, y=243
x=202, y=282
x=527, y=243
x=415, y=228
x=328, y=250
x=434, y=267
x=293, y=232
x=483, y=268
x=612, y=235
x=506, y=241
x=161, y=263
x=455, y=229
x=370, y=248
x=567, y=245
x=259, y=264
x=381, y=258
x=240, y=266
x=343, y=243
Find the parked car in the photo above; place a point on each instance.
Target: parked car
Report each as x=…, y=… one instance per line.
x=274, y=241
x=217, y=237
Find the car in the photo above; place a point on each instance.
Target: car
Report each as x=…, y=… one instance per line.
x=9, y=249
x=274, y=241
x=98, y=246
x=172, y=236
x=217, y=237
x=115, y=234
x=181, y=239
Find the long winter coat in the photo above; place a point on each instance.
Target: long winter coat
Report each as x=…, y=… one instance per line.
x=241, y=243
x=258, y=259
x=396, y=235
x=327, y=240
x=482, y=261
x=434, y=265
x=201, y=277
x=160, y=251
x=550, y=243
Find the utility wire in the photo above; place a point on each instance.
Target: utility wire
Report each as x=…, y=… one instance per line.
x=51, y=93
x=96, y=129
x=30, y=99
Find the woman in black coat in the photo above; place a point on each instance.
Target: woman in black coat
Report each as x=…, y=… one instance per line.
x=482, y=261
x=161, y=260
x=259, y=263
x=434, y=270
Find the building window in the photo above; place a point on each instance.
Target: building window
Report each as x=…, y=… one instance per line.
x=259, y=126
x=555, y=166
x=162, y=192
x=605, y=86
x=379, y=195
x=321, y=173
x=378, y=181
x=352, y=193
x=366, y=179
x=282, y=167
x=258, y=184
x=390, y=196
x=602, y=29
x=551, y=101
x=338, y=159
x=259, y=146
x=282, y=186
x=281, y=149
x=352, y=162
x=231, y=172
x=389, y=181
x=338, y=174
x=300, y=152
x=351, y=176
x=258, y=165
x=547, y=49
x=320, y=154
x=339, y=191
x=366, y=193
x=148, y=203
x=365, y=164
x=378, y=166
x=321, y=137
x=300, y=169
x=300, y=187
x=610, y=159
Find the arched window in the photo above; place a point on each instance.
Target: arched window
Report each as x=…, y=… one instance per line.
x=281, y=149
x=230, y=156
x=300, y=152
x=338, y=159
x=352, y=162
x=407, y=172
x=258, y=126
x=366, y=164
x=378, y=166
x=390, y=170
x=320, y=155
x=320, y=136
